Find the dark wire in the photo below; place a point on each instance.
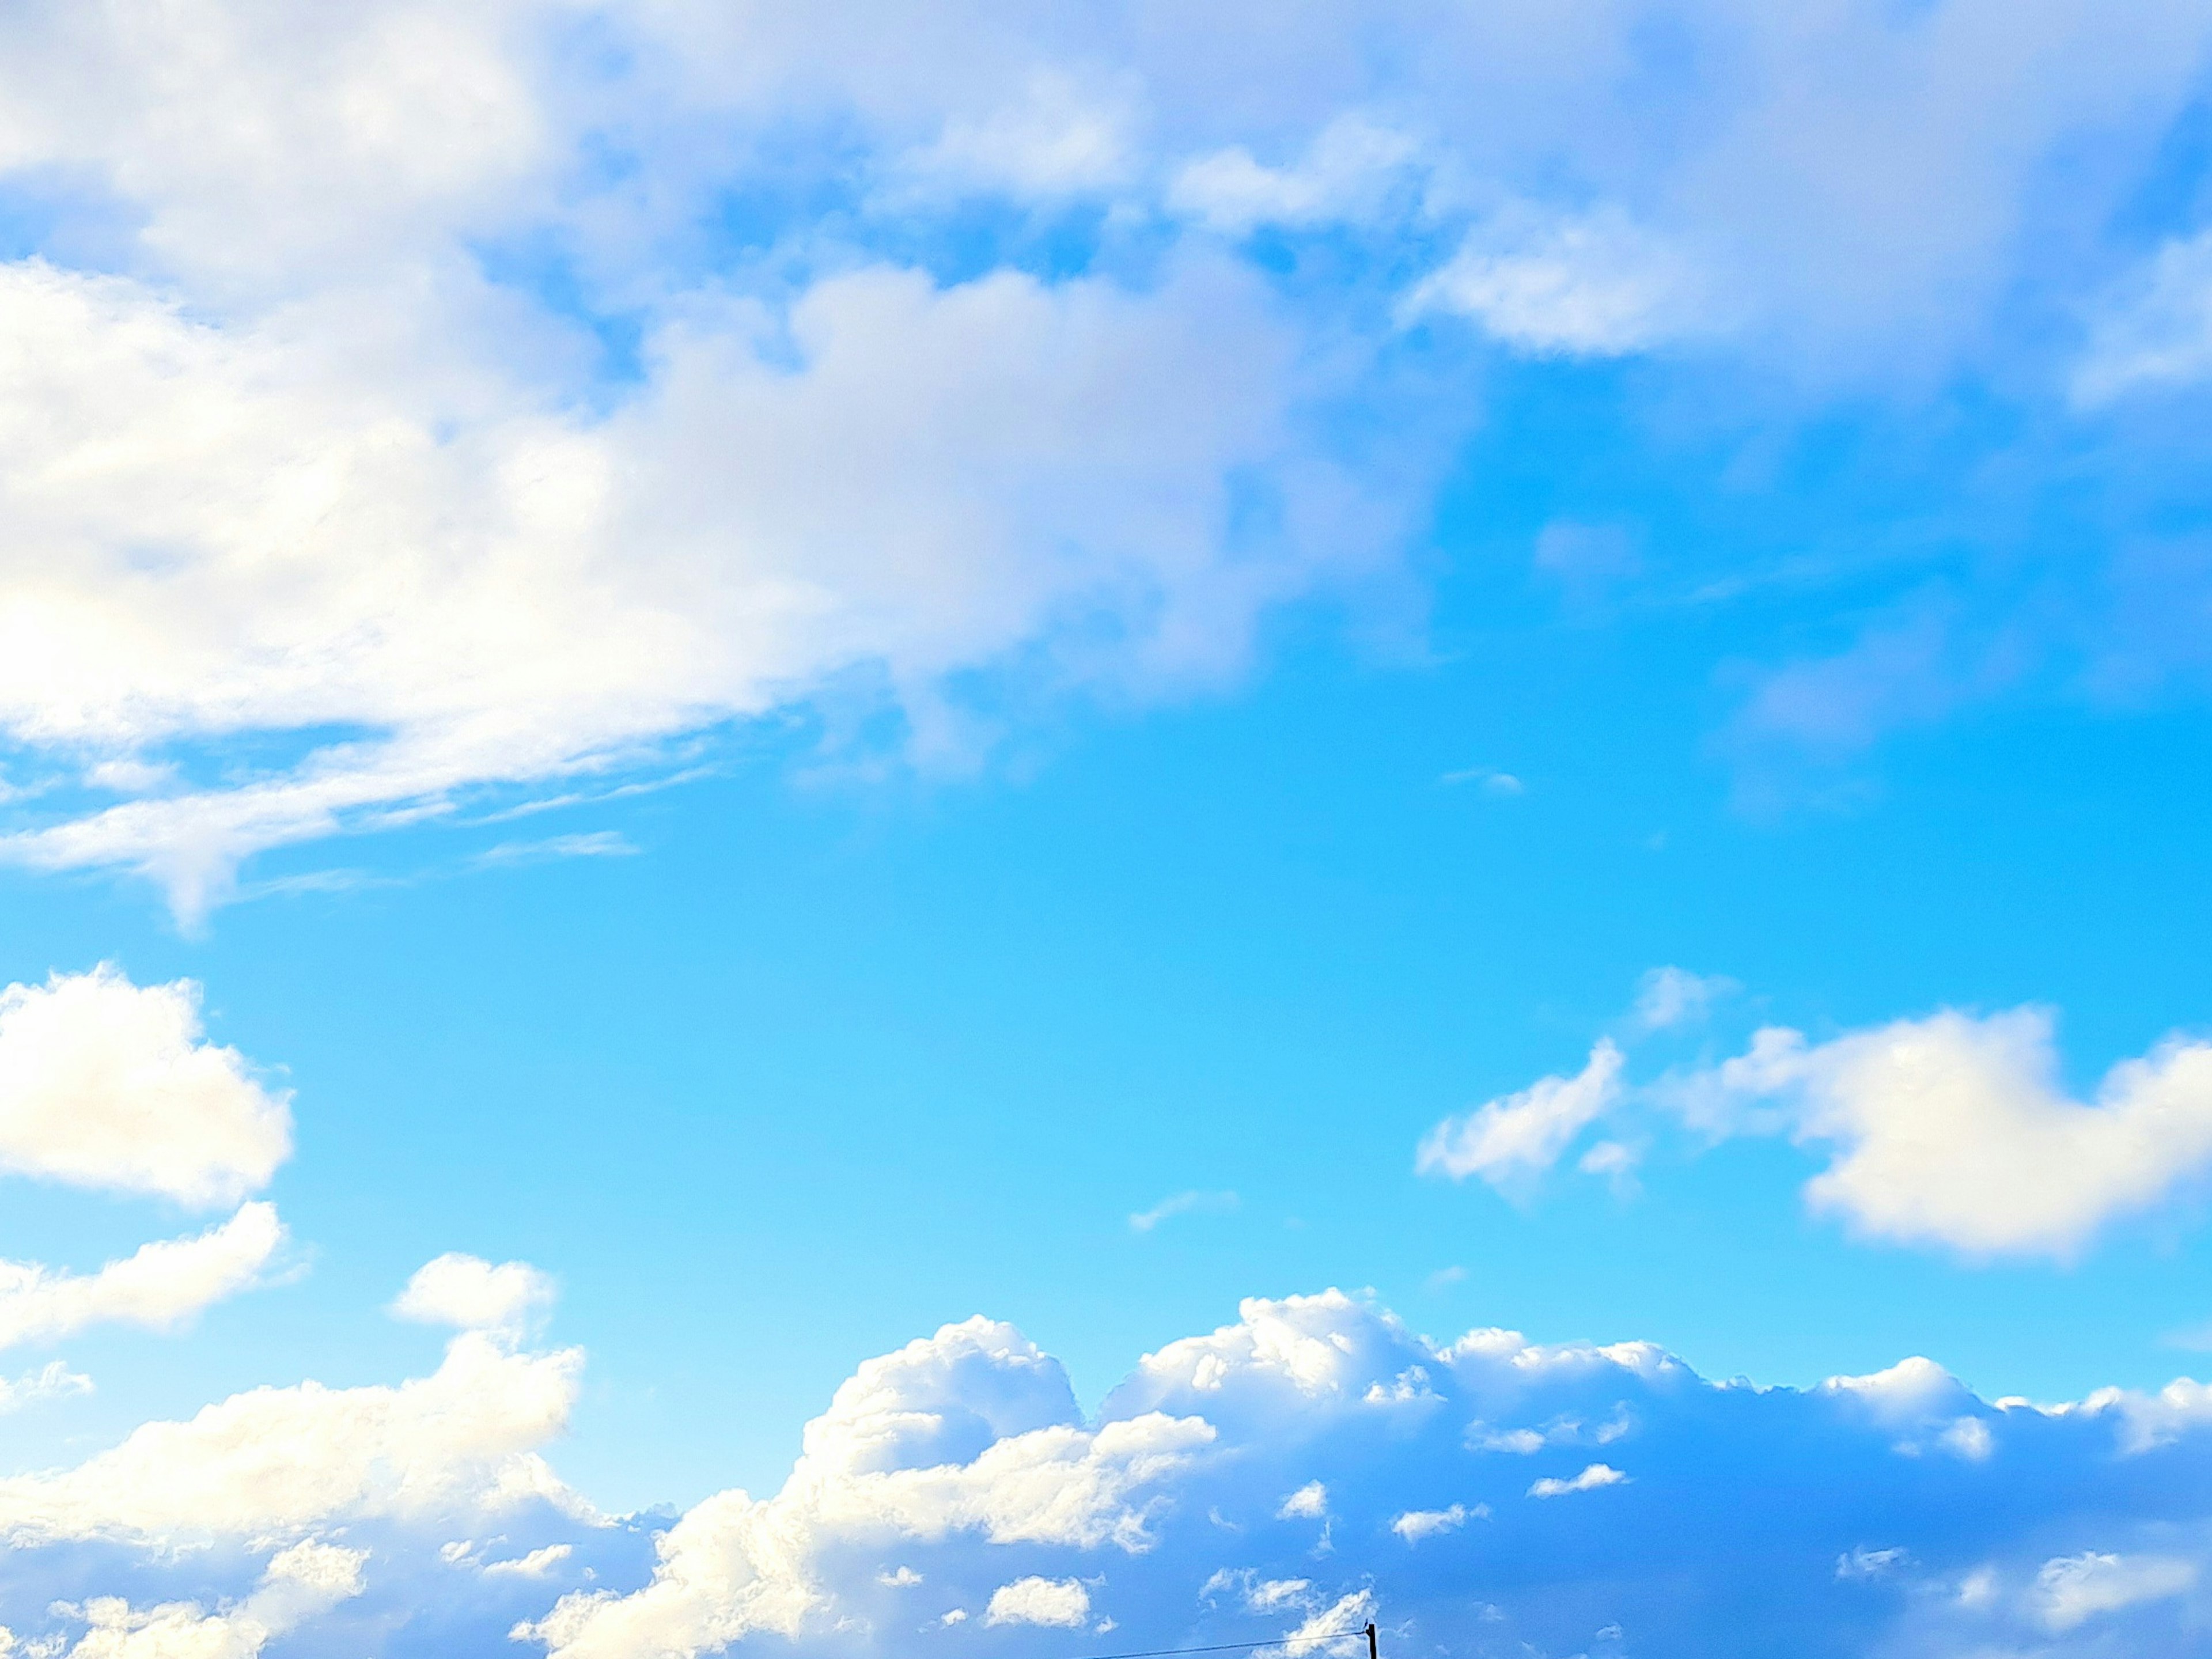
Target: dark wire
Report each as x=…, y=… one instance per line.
x=1232, y=1647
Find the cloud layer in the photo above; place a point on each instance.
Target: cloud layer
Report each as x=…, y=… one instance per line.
x=1312, y=1465
x=449, y=432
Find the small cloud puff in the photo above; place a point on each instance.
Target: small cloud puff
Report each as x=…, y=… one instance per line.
x=1591, y=1478
x=1414, y=1525
x=1033, y=1600
x=471, y=1294
x=1309, y=1503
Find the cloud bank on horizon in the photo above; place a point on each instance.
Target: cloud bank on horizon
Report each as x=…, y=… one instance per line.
x=560, y=382
x=1314, y=1465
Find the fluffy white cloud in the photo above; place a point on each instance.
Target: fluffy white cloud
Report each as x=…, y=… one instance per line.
x=878, y=1465
x=1414, y=1525
x=940, y=475
x=1510, y=1140
x=288, y=1462
x=301, y=1583
x=1034, y=1601
x=955, y=1481
x=110, y=1085
x=1954, y=1130
x=159, y=1286
x=417, y=536
x=470, y=1293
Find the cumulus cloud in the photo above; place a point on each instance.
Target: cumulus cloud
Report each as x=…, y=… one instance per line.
x=1033, y=1600
x=288, y=1461
x=299, y=1584
x=1954, y=1130
x=158, y=1287
x=53, y=1380
x=955, y=1483
x=1510, y=1140
x=471, y=1294
x=109, y=1085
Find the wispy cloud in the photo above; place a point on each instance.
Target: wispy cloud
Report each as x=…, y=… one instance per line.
x=1190, y=1203
x=1488, y=779
x=598, y=844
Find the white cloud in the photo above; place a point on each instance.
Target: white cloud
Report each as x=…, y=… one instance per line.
x=598, y=844
x=962, y=1462
x=300, y=1584
x=946, y=477
x=2075, y=1588
x=1953, y=1129
x=1414, y=1525
x=53, y=1380
x=1595, y=285
x=1309, y=1503
x=109, y=1085
x=400, y=501
x=1188, y=1203
x=159, y=1287
x=471, y=1294
x=287, y=1461
x=1510, y=1140
x=2157, y=331
x=1670, y=997
x=1348, y=172
x=1593, y=1476
x=972, y=1433
x=538, y=1563
x=1033, y=1600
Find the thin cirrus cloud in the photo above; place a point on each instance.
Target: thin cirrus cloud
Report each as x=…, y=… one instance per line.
x=1951, y=1131
x=1184, y=1203
x=2070, y=1530
x=421, y=541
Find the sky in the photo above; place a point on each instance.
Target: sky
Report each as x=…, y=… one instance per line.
x=1020, y=832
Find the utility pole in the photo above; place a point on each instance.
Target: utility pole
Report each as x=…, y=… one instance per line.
x=1370, y=1642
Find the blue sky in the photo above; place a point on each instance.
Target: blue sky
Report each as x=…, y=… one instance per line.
x=760, y=685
